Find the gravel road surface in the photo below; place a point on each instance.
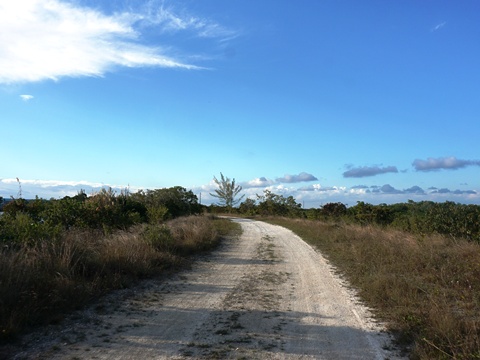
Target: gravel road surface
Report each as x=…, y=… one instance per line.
x=263, y=295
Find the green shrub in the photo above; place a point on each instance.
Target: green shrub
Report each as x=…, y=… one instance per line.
x=160, y=238
x=157, y=214
x=21, y=229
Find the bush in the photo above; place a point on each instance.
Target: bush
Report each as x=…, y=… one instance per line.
x=20, y=228
x=160, y=238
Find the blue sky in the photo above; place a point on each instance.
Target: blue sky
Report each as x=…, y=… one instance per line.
x=375, y=101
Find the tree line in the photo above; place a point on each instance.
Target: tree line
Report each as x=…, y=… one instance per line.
x=27, y=221
x=424, y=217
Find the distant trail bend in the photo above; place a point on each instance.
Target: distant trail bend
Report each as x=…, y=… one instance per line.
x=264, y=295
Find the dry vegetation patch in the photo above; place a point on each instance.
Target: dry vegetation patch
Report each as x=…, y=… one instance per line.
x=40, y=282
x=426, y=287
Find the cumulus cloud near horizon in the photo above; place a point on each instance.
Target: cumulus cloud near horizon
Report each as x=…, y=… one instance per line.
x=257, y=182
x=366, y=171
x=417, y=190
x=302, y=177
x=52, y=39
x=311, y=195
x=52, y=188
x=443, y=163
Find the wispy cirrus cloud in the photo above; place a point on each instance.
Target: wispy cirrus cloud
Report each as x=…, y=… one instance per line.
x=52, y=39
x=365, y=171
x=438, y=26
x=443, y=163
x=169, y=20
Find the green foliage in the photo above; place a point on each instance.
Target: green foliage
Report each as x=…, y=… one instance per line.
x=159, y=237
x=29, y=221
x=157, y=214
x=248, y=207
x=66, y=212
x=21, y=228
x=274, y=204
x=365, y=213
x=425, y=217
x=168, y=203
x=15, y=206
x=105, y=210
x=227, y=191
x=334, y=210
x=455, y=220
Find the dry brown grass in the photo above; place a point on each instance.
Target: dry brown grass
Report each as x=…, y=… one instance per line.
x=40, y=283
x=193, y=235
x=426, y=288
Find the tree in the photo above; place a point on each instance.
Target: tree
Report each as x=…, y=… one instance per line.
x=334, y=210
x=227, y=191
x=274, y=204
x=168, y=202
x=248, y=207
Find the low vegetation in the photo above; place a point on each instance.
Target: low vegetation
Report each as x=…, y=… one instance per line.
x=416, y=264
x=427, y=288
x=420, y=218
x=58, y=255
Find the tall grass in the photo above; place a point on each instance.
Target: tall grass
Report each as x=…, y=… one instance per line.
x=427, y=289
x=39, y=283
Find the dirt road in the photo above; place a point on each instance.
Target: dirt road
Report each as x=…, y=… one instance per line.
x=265, y=295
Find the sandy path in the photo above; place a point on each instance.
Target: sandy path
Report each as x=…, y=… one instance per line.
x=266, y=295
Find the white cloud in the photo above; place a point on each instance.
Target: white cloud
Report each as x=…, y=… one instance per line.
x=303, y=176
x=257, y=182
x=310, y=196
x=50, y=39
x=169, y=21
x=26, y=97
x=52, y=188
x=438, y=26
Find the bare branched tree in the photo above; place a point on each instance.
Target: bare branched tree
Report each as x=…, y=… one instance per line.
x=227, y=191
